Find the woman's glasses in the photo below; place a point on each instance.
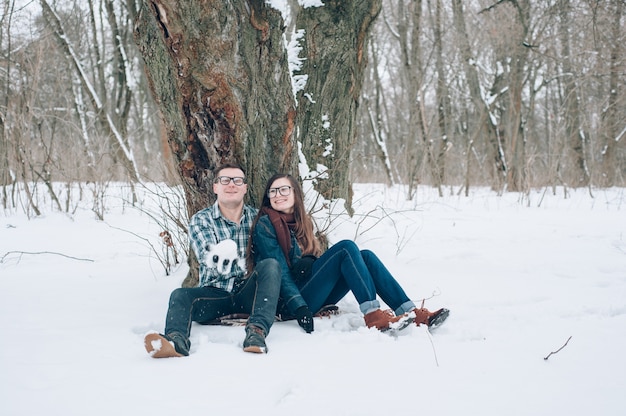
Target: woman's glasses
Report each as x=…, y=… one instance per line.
x=282, y=190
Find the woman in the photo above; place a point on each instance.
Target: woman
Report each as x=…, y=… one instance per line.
x=283, y=230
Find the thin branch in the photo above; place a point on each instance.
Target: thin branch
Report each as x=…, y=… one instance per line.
x=42, y=252
x=554, y=352
x=493, y=6
x=432, y=344
x=163, y=261
x=433, y=295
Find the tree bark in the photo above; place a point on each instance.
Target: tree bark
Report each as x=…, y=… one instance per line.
x=335, y=51
x=218, y=71
x=613, y=133
x=444, y=115
x=513, y=56
x=574, y=134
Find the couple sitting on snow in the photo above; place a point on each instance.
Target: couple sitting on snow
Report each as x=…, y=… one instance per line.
x=289, y=271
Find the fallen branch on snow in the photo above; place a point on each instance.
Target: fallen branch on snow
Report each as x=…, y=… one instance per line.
x=40, y=252
x=554, y=352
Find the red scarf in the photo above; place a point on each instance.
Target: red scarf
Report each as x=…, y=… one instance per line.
x=282, y=224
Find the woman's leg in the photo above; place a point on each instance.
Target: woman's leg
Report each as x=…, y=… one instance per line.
x=387, y=287
x=393, y=295
x=339, y=270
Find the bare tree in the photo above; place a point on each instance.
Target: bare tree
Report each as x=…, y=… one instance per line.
x=107, y=123
x=613, y=133
x=5, y=170
x=82, y=106
x=444, y=112
x=575, y=135
x=377, y=128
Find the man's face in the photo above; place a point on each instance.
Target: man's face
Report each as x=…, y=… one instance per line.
x=230, y=193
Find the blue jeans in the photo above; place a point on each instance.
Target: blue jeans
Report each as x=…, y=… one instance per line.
x=343, y=268
x=258, y=297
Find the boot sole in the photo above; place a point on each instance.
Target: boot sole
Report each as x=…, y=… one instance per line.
x=436, y=320
x=256, y=349
x=159, y=347
x=396, y=327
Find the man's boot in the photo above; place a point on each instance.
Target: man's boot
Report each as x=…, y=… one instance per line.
x=255, y=340
x=163, y=346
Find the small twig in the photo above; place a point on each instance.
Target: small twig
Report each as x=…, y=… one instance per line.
x=41, y=252
x=154, y=250
x=432, y=344
x=435, y=293
x=430, y=337
x=554, y=352
x=493, y=6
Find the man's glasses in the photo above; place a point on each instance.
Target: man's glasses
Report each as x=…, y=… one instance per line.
x=225, y=180
x=283, y=190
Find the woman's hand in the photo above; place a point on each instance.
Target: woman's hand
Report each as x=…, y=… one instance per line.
x=305, y=318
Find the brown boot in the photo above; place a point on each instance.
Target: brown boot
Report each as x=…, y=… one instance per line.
x=160, y=347
x=428, y=318
x=255, y=340
x=382, y=320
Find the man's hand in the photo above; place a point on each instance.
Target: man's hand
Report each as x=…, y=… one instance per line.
x=222, y=256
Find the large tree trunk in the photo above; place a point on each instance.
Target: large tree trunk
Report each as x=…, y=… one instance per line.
x=218, y=71
x=334, y=49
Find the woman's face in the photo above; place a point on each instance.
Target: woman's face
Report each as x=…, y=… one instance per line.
x=281, y=195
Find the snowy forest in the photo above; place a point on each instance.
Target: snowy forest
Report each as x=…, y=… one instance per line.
x=483, y=143
x=509, y=94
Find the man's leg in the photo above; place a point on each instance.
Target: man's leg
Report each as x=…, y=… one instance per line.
x=200, y=304
x=259, y=297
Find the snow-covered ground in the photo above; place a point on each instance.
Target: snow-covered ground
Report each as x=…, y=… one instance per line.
x=521, y=274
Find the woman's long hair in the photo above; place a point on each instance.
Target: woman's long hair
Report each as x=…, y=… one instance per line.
x=304, y=225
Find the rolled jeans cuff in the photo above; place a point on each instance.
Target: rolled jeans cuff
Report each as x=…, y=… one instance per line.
x=404, y=308
x=369, y=306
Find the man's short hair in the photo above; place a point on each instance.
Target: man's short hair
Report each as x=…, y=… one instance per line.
x=229, y=165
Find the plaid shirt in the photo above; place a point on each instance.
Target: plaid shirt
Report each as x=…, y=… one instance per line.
x=207, y=228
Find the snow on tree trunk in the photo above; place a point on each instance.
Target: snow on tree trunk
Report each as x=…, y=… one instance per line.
x=334, y=51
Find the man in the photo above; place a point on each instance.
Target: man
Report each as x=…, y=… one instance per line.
x=221, y=290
